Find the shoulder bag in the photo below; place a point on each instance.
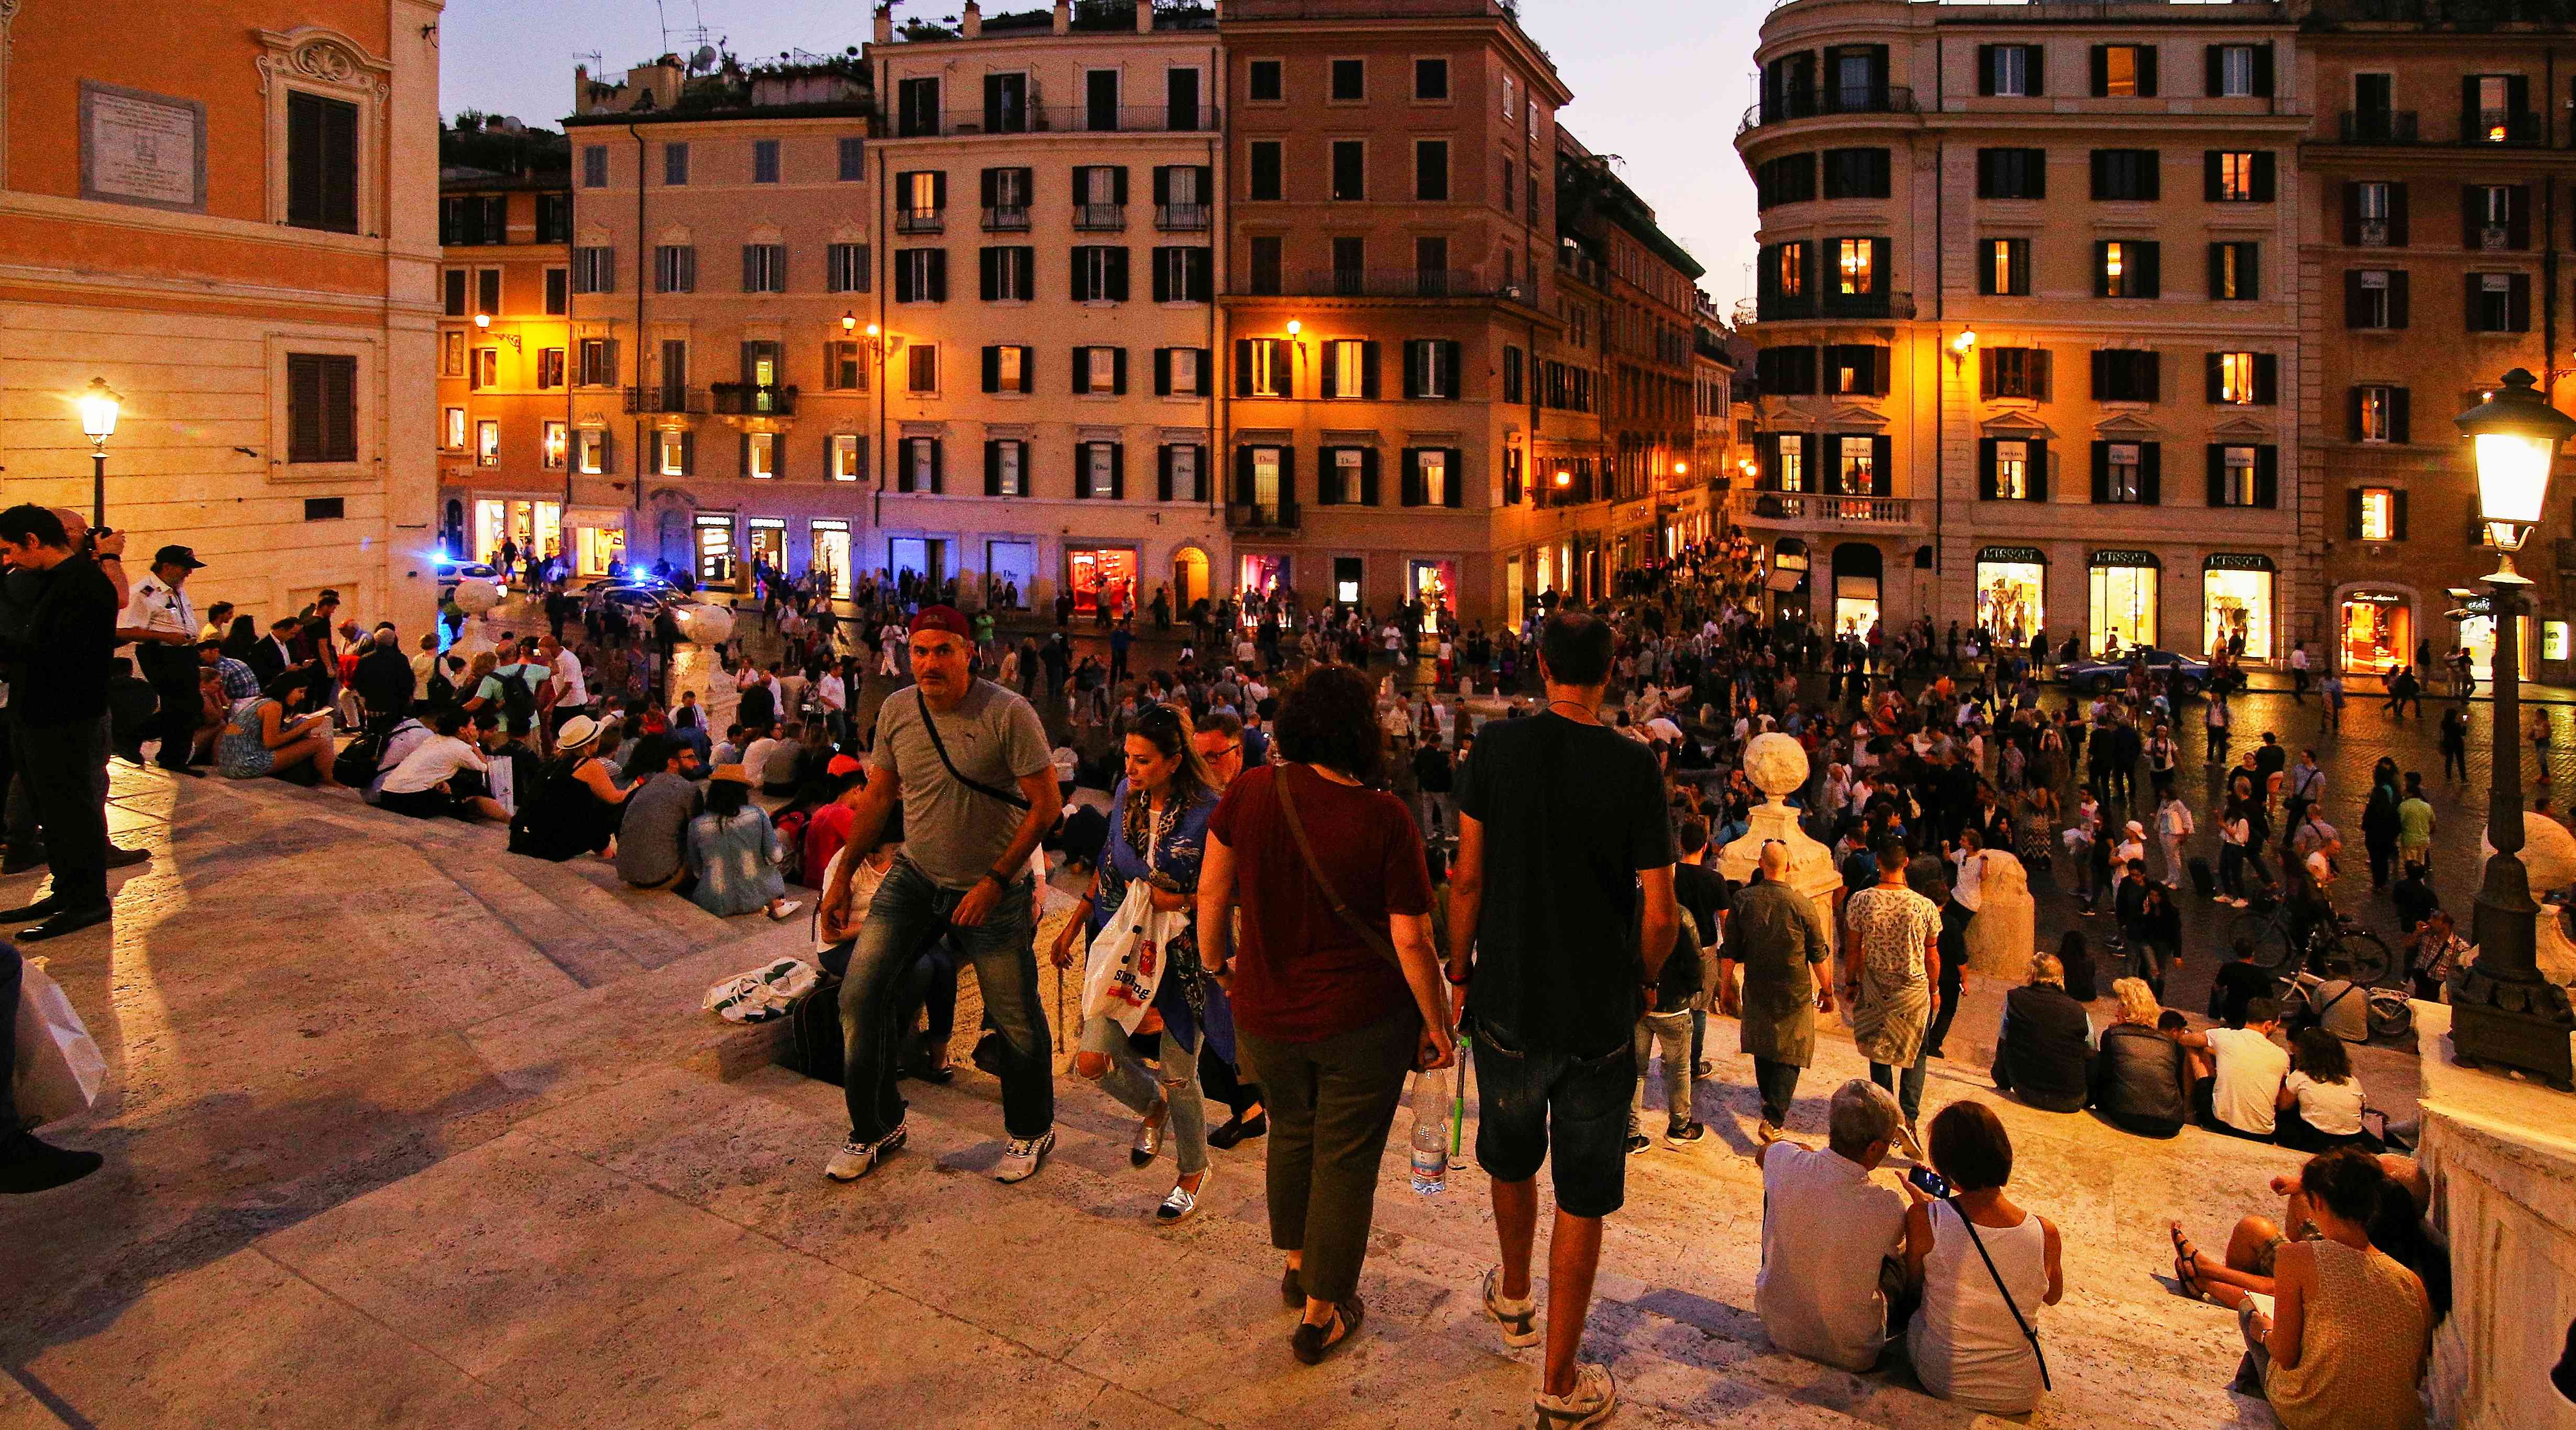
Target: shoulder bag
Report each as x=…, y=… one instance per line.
x=1373, y=937
x=1014, y=800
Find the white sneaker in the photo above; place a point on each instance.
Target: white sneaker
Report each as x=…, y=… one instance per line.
x=1595, y=1395
x=1518, y=1319
x=857, y=1159
x=1021, y=1159
x=782, y=912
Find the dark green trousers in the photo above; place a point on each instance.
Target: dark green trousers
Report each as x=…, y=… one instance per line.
x=1331, y=1102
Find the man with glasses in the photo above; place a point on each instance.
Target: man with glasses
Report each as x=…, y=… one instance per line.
x=1219, y=741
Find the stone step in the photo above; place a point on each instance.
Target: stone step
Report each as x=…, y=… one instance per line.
x=667, y=910
x=629, y=918
x=570, y=941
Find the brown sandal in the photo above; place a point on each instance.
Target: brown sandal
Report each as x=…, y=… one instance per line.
x=1312, y=1342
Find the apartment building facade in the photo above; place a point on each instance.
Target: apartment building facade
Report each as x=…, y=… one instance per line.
x=1051, y=197
x=2026, y=298
x=2436, y=187
x=1392, y=274
x=225, y=215
x=504, y=354
x=723, y=255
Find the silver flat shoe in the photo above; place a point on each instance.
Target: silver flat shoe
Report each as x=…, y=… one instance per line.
x=1183, y=1203
x=1149, y=1139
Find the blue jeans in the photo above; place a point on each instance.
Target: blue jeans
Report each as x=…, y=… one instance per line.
x=909, y=911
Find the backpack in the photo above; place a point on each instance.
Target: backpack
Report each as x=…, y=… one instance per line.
x=791, y=845
x=362, y=759
x=518, y=702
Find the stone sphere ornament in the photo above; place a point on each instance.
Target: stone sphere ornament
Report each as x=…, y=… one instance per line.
x=475, y=598
x=704, y=624
x=1776, y=764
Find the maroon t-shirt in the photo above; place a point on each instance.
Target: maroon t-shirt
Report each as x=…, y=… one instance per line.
x=1303, y=974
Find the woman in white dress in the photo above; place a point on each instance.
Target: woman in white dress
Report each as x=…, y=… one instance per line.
x=1966, y=1343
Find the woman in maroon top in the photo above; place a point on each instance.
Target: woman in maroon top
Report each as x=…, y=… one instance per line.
x=1328, y=1022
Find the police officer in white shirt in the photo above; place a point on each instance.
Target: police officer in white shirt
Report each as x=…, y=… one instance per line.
x=162, y=623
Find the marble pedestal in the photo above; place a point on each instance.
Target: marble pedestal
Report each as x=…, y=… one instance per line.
x=2502, y=1155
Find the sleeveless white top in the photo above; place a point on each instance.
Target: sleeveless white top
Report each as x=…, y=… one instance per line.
x=1963, y=1342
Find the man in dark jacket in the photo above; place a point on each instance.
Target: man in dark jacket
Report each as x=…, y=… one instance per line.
x=2045, y=1054
x=383, y=678
x=57, y=629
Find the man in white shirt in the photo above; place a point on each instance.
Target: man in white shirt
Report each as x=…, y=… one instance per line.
x=563, y=667
x=834, y=696
x=1827, y=1232
x=2242, y=1098
x=161, y=622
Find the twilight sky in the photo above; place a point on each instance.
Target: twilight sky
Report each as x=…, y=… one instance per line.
x=1659, y=83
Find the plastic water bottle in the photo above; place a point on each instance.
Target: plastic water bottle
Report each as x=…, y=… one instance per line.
x=1430, y=1133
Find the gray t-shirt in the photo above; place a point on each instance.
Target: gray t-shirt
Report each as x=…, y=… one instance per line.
x=657, y=820
x=953, y=833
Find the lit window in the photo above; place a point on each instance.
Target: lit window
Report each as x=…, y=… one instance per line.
x=761, y=455
x=487, y=443
x=1858, y=277
x=2236, y=476
x=1349, y=370
x=2236, y=377
x=555, y=445
x=1349, y=466
x=2125, y=483
x=672, y=453
x=1858, y=466
x=2376, y=407
x=1793, y=269
x=1793, y=462
x=2012, y=470
x=2236, y=175
x=845, y=457
x=1434, y=467
x=590, y=451
x=1012, y=366
x=923, y=371
x=455, y=430
x=2378, y=514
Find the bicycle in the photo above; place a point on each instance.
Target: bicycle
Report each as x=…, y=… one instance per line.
x=2392, y=1014
x=2271, y=932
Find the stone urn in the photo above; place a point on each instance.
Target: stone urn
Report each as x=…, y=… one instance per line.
x=1777, y=765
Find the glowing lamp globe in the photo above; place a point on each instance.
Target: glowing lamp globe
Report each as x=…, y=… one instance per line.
x=2515, y=435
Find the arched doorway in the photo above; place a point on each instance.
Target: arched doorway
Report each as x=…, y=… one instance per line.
x=1189, y=576
x=451, y=532
x=1858, y=570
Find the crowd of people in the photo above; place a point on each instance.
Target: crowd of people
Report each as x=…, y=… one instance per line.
x=1312, y=880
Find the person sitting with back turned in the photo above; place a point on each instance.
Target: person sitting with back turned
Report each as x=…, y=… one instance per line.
x=733, y=852
x=1832, y=1238
x=1985, y=1267
x=652, y=837
x=573, y=807
x=2241, y=1096
x=2141, y=1077
x=2044, y=1055
x=441, y=775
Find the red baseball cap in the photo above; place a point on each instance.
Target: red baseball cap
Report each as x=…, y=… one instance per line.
x=840, y=765
x=943, y=618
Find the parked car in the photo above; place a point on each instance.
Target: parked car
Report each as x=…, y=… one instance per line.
x=2093, y=675
x=454, y=572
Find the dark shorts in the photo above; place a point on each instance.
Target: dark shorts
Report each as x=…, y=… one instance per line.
x=1525, y=1099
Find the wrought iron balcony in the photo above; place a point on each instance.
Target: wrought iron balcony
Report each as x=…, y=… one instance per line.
x=919, y=221
x=1100, y=218
x=673, y=401
x=2377, y=126
x=1181, y=218
x=753, y=399
x=1814, y=100
x=1007, y=218
x=2499, y=126
x=1280, y=515
x=1016, y=118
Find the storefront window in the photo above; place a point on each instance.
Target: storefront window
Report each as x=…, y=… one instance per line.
x=1434, y=586
x=2124, y=602
x=2478, y=634
x=715, y=548
x=1097, y=574
x=598, y=548
x=2376, y=630
x=1264, y=575
x=1014, y=566
x=2238, y=607
x=766, y=541
x=2553, y=640
x=831, y=541
x=2011, y=592
x=1347, y=575
x=528, y=525
x=1855, y=604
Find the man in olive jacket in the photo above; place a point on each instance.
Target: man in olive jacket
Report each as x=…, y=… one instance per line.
x=1779, y=944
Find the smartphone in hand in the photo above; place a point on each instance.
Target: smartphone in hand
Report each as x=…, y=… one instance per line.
x=1930, y=1183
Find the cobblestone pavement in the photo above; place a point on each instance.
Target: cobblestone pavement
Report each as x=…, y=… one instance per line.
x=402, y=1129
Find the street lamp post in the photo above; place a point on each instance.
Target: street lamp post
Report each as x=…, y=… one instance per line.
x=98, y=408
x=2503, y=1011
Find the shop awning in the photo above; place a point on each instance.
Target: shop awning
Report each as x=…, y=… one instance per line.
x=601, y=516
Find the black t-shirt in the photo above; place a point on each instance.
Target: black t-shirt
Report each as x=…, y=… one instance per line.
x=1571, y=813
x=2238, y=983
x=1704, y=894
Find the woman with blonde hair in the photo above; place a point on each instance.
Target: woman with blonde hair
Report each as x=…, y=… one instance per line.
x=2142, y=1078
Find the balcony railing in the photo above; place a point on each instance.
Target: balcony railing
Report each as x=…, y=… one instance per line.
x=1063, y=119
x=753, y=399
x=1827, y=99
x=1007, y=218
x=1100, y=218
x=2499, y=126
x=2377, y=126
x=1817, y=509
x=1773, y=308
x=1394, y=283
x=1181, y=218
x=1280, y=515
x=919, y=221
x=675, y=401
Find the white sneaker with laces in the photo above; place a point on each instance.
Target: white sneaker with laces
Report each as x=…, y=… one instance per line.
x=1518, y=1319
x=857, y=1159
x=1022, y=1158
x=1595, y=1395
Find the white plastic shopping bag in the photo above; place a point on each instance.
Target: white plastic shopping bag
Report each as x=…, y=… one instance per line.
x=1126, y=963
x=59, y=1068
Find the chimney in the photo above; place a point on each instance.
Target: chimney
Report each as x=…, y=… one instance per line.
x=971, y=22
x=1064, y=17
x=885, y=22
x=1144, y=17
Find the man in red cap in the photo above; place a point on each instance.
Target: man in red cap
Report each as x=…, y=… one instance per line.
x=969, y=762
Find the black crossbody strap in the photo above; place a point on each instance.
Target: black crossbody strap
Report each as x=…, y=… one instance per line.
x=2006, y=1292
x=1314, y=870
x=1013, y=800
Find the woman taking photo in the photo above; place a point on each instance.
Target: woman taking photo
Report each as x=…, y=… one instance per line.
x=272, y=734
x=1158, y=820
x=1338, y=992
x=1966, y=1341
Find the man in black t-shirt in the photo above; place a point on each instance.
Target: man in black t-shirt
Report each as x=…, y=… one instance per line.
x=2238, y=982
x=1704, y=894
x=1562, y=834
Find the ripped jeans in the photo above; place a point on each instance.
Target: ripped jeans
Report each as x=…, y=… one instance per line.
x=1131, y=1082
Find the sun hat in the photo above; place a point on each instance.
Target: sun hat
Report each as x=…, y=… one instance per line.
x=577, y=732
x=731, y=774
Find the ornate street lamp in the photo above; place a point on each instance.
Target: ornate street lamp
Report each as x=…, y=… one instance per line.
x=98, y=408
x=2503, y=1010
